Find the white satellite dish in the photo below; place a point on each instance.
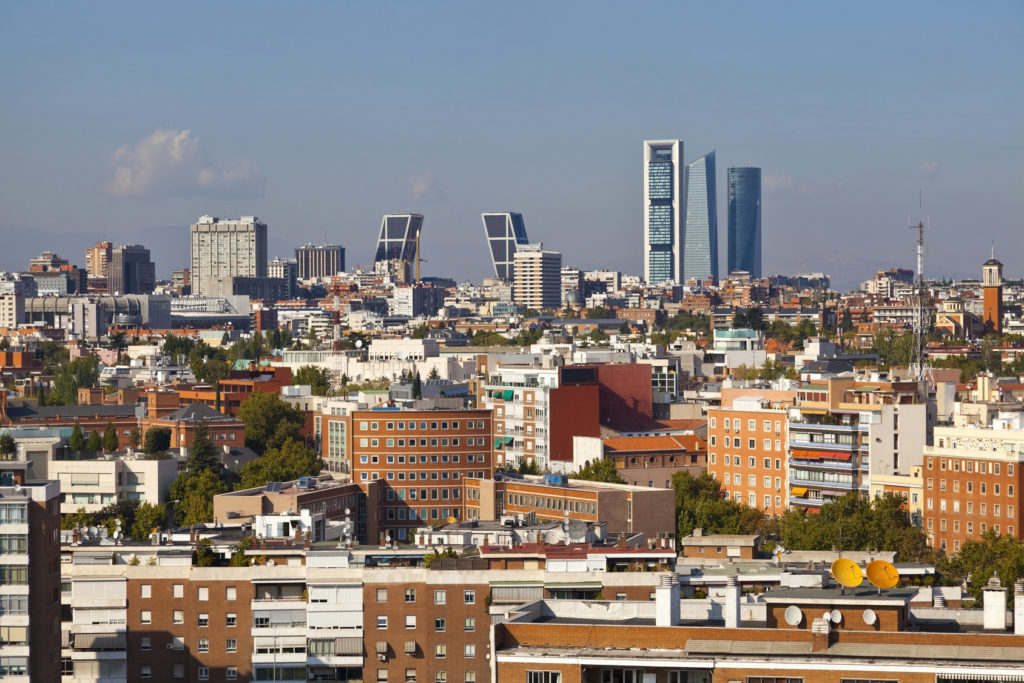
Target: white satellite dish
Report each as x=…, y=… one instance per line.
x=359, y=343
x=836, y=616
x=793, y=615
x=870, y=617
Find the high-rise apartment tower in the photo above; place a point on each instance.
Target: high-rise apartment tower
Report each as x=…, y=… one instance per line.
x=745, y=220
x=227, y=248
x=537, y=277
x=505, y=231
x=664, y=210
x=319, y=260
x=700, y=234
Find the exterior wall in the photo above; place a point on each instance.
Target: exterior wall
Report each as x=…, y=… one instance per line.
x=447, y=450
x=625, y=398
x=43, y=580
x=763, y=478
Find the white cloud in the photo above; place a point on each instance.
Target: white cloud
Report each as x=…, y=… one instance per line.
x=173, y=163
x=929, y=167
x=778, y=182
x=425, y=188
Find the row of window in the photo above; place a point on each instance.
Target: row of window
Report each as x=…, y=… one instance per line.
x=751, y=443
x=752, y=499
x=422, y=442
x=738, y=461
x=751, y=425
x=178, y=591
x=969, y=485
x=546, y=503
x=178, y=643
x=423, y=459
x=439, y=676
x=970, y=526
x=365, y=425
x=440, y=598
x=982, y=507
x=752, y=480
x=954, y=465
x=434, y=476
x=202, y=672
x=178, y=617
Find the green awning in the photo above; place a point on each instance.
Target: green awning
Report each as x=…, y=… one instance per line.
x=496, y=393
x=508, y=440
x=498, y=442
x=508, y=394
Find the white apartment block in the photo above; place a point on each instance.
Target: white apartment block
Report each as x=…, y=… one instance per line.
x=227, y=248
x=538, y=277
x=12, y=310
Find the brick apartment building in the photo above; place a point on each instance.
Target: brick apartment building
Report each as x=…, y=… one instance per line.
x=747, y=453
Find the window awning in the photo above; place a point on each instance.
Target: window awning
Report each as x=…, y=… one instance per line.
x=799, y=491
x=509, y=440
x=498, y=442
x=508, y=394
x=496, y=393
x=410, y=647
x=801, y=454
x=99, y=641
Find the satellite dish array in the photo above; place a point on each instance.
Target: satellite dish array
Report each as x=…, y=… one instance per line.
x=848, y=574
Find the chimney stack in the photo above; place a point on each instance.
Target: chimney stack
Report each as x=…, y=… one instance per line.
x=732, y=603
x=994, y=604
x=1018, y=608
x=666, y=601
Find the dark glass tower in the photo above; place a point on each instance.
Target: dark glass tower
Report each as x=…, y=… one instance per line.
x=745, y=220
x=700, y=236
x=504, y=231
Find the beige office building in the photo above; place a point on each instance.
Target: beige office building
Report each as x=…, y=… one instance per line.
x=227, y=248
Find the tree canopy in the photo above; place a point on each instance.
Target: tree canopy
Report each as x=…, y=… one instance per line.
x=600, y=470
x=292, y=460
x=76, y=441
x=69, y=377
x=269, y=421
x=318, y=378
x=7, y=446
x=202, y=455
x=699, y=503
x=110, y=441
x=194, y=495
x=94, y=443
x=158, y=440
x=979, y=560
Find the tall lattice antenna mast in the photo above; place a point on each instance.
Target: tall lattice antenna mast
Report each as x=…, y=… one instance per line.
x=917, y=363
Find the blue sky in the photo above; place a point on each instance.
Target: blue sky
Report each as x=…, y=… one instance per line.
x=126, y=121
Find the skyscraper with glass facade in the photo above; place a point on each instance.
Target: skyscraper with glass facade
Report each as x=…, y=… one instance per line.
x=504, y=231
x=745, y=220
x=700, y=241
x=397, y=244
x=664, y=210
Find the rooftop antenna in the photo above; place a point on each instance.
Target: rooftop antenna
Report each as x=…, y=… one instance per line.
x=917, y=364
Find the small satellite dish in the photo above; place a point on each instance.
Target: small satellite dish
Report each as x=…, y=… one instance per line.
x=359, y=343
x=451, y=520
x=870, y=617
x=847, y=573
x=793, y=615
x=93, y=532
x=882, y=574
x=836, y=616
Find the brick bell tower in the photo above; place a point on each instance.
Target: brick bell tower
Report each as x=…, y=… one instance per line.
x=992, y=286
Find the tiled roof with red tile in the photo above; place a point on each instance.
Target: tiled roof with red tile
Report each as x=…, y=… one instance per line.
x=626, y=444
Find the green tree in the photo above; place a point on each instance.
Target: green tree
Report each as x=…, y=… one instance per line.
x=158, y=440
x=176, y=345
x=118, y=342
x=94, y=443
x=7, y=447
x=980, y=559
x=76, y=441
x=292, y=460
x=319, y=379
x=194, y=494
x=202, y=455
x=148, y=516
x=52, y=354
x=135, y=437
x=5, y=343
x=69, y=377
x=434, y=374
x=599, y=313
x=203, y=556
x=109, y=441
x=699, y=503
x=238, y=558
x=417, y=386
x=269, y=421
x=600, y=470
x=421, y=331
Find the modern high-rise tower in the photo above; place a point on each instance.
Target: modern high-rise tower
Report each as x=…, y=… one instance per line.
x=537, y=282
x=130, y=270
x=664, y=210
x=227, y=248
x=745, y=220
x=505, y=231
x=700, y=234
x=397, y=243
x=319, y=261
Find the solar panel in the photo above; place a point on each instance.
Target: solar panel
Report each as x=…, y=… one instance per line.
x=274, y=487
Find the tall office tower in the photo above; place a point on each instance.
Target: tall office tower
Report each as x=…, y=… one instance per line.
x=745, y=220
x=319, y=261
x=130, y=270
x=285, y=269
x=664, y=210
x=537, y=277
x=700, y=241
x=227, y=248
x=97, y=258
x=397, y=244
x=504, y=232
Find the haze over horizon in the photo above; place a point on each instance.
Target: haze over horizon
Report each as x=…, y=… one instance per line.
x=127, y=122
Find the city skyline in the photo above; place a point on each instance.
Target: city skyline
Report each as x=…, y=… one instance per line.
x=891, y=112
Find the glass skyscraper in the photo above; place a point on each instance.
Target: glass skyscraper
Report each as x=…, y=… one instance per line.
x=664, y=210
x=745, y=220
x=700, y=241
x=504, y=231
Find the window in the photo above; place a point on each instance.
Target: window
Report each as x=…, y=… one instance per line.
x=231, y=673
x=469, y=597
x=410, y=621
x=439, y=624
x=204, y=619
x=440, y=677
x=470, y=677
x=440, y=597
x=145, y=617
x=231, y=645
x=178, y=616
x=470, y=651
x=382, y=595
x=230, y=593
x=146, y=591
x=410, y=595
x=179, y=671
x=146, y=644
x=203, y=593
x=178, y=590
x=146, y=671
x=410, y=676
x=543, y=677
x=204, y=645
x=382, y=622
x=204, y=673
x=230, y=619
x=440, y=650
x=470, y=624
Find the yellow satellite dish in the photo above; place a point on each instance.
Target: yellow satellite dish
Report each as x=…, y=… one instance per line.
x=882, y=574
x=847, y=573
x=451, y=520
